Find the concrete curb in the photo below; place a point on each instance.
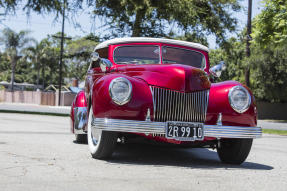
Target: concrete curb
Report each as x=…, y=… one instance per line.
x=35, y=109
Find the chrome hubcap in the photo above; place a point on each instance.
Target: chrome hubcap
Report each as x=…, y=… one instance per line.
x=95, y=135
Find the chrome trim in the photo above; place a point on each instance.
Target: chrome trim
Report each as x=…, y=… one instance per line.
x=127, y=99
x=131, y=126
x=172, y=105
x=156, y=128
x=104, y=64
x=219, y=119
x=232, y=105
x=147, y=118
x=95, y=56
x=217, y=69
x=80, y=119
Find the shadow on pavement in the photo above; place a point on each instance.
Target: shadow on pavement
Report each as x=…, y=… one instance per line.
x=141, y=154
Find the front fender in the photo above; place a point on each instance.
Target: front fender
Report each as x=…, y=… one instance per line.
x=135, y=109
x=219, y=103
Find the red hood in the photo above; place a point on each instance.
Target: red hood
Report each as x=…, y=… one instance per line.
x=172, y=76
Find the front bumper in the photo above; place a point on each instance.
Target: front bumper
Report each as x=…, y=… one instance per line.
x=150, y=127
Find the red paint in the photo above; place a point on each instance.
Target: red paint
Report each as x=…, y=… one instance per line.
x=171, y=76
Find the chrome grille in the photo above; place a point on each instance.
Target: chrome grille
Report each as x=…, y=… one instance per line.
x=172, y=105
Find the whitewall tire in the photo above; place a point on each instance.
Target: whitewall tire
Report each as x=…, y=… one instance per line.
x=101, y=143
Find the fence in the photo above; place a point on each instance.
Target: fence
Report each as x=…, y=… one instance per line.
x=36, y=97
x=265, y=110
x=272, y=110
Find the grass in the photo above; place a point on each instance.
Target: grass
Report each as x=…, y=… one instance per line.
x=274, y=120
x=274, y=131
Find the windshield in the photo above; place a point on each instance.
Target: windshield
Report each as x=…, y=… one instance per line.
x=150, y=54
x=137, y=55
x=173, y=55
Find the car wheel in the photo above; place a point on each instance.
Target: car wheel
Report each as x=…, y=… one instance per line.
x=234, y=151
x=101, y=143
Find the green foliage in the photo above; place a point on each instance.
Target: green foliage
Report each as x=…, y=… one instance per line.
x=39, y=63
x=14, y=43
x=191, y=37
x=78, y=55
x=5, y=68
x=233, y=55
x=160, y=18
x=269, y=52
x=269, y=74
x=39, y=6
x=270, y=26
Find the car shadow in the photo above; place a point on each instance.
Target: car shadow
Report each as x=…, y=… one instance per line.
x=80, y=143
x=144, y=154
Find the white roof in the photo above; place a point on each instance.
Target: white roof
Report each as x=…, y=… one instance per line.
x=146, y=39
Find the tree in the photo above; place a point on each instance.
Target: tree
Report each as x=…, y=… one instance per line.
x=269, y=55
x=269, y=74
x=160, y=18
x=78, y=55
x=38, y=6
x=270, y=26
x=233, y=54
x=5, y=68
x=14, y=42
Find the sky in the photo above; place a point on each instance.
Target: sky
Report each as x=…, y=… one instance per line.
x=40, y=26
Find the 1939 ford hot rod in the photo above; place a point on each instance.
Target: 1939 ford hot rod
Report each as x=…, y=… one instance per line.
x=161, y=89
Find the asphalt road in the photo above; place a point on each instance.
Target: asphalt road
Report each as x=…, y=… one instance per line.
x=38, y=153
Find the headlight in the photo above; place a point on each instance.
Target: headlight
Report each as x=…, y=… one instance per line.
x=120, y=90
x=239, y=98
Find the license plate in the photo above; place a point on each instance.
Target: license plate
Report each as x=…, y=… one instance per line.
x=184, y=131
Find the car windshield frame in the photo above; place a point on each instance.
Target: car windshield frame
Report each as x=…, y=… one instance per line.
x=160, y=48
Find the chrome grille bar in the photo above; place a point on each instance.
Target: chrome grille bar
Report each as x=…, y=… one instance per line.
x=172, y=105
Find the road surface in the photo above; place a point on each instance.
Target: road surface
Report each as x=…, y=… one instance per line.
x=38, y=153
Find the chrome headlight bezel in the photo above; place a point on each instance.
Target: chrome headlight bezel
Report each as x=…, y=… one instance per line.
x=246, y=106
x=129, y=94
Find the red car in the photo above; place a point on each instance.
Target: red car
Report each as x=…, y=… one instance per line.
x=161, y=89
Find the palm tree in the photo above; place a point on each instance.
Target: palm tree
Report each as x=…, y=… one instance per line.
x=36, y=54
x=14, y=43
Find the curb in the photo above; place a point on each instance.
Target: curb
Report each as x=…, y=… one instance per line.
x=35, y=112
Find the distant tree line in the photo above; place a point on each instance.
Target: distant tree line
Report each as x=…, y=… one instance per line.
x=26, y=60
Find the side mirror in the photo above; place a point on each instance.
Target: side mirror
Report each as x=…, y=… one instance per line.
x=217, y=69
x=105, y=65
x=95, y=56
